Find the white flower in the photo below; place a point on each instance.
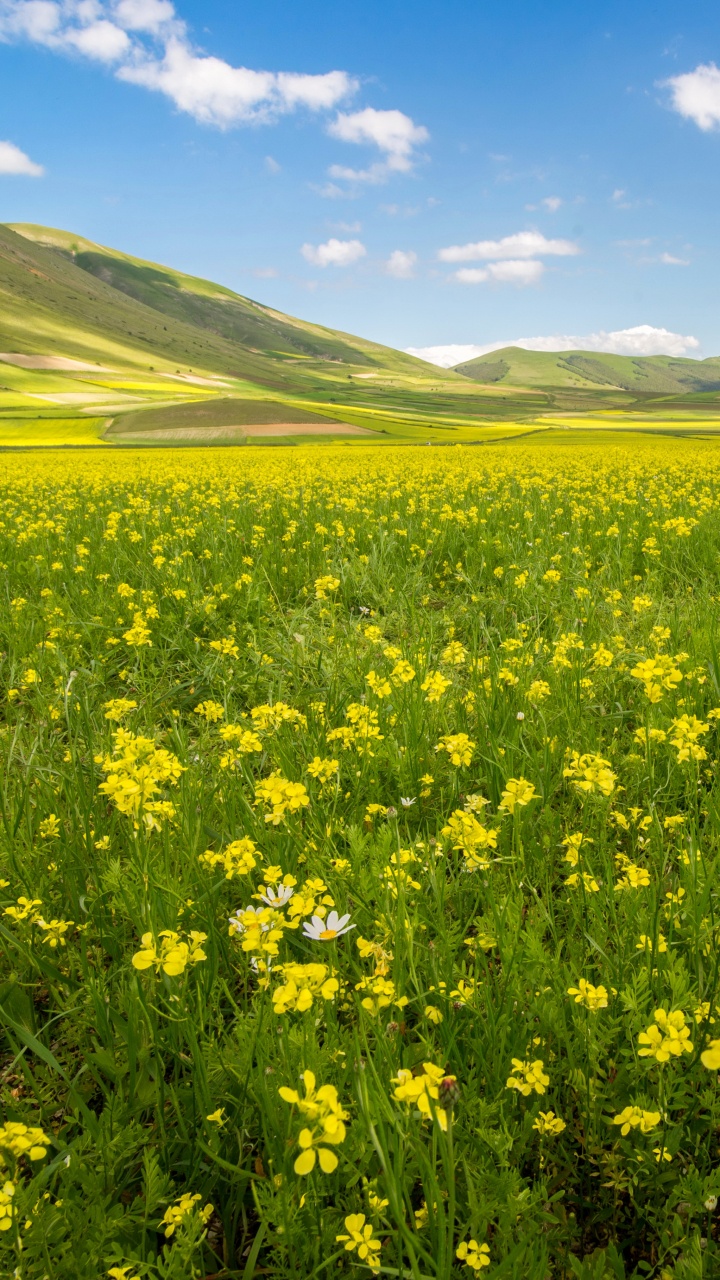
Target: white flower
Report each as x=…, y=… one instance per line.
x=279, y=899
x=325, y=930
x=407, y=802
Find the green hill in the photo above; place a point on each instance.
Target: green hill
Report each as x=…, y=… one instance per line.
x=551, y=370
x=94, y=303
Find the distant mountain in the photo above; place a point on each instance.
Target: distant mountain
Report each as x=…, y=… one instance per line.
x=555, y=370
x=62, y=294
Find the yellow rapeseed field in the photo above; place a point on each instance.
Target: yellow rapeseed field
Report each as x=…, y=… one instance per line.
x=358, y=864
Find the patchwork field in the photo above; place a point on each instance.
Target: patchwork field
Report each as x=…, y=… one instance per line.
x=359, y=861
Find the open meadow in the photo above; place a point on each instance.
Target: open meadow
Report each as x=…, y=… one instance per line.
x=359, y=861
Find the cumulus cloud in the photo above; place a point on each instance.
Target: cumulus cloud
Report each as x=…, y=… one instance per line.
x=334, y=253
x=641, y=340
x=150, y=46
x=520, y=271
x=401, y=264
x=392, y=132
x=14, y=161
x=670, y=260
x=448, y=354
x=524, y=244
x=551, y=203
x=696, y=95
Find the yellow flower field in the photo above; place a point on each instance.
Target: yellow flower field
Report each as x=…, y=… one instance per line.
x=359, y=862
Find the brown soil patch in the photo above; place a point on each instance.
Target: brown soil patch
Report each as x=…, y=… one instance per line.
x=50, y=362
x=246, y=432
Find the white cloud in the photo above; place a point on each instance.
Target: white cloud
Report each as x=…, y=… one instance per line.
x=101, y=40
x=449, y=354
x=401, y=264
x=334, y=253
x=144, y=15
x=14, y=161
x=696, y=95
x=206, y=87
x=524, y=244
x=641, y=340
x=148, y=44
x=670, y=260
x=272, y=165
x=213, y=92
x=551, y=203
x=392, y=132
x=520, y=271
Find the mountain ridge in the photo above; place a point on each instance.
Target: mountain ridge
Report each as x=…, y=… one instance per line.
x=546, y=370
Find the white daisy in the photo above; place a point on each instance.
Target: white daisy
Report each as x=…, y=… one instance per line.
x=279, y=899
x=325, y=930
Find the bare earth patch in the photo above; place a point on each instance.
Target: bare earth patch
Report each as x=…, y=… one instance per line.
x=249, y=432
x=51, y=362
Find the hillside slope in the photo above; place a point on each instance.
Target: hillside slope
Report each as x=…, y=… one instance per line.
x=653, y=375
x=62, y=294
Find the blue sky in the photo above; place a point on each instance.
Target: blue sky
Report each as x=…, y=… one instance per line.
x=428, y=175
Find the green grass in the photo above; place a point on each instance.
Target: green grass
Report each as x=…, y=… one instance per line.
x=411, y=637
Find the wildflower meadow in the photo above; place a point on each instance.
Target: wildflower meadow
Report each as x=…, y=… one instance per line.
x=358, y=862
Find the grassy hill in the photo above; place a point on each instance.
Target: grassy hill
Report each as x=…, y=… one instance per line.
x=111, y=303
x=98, y=346
x=146, y=338
x=587, y=370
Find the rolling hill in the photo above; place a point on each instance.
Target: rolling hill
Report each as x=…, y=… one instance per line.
x=94, y=303
x=589, y=370
x=97, y=346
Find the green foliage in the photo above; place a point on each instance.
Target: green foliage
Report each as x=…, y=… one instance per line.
x=469, y=698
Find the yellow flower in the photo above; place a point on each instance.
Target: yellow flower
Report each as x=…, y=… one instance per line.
x=327, y=1120
x=324, y=770
x=173, y=1217
x=458, y=747
x=645, y=943
x=633, y=877
x=591, y=997
x=173, y=954
x=658, y=674
x=226, y=647
x=590, y=773
x=518, y=792
x=301, y=982
x=54, y=931
x=710, y=1057
x=217, y=1117
x=360, y=1236
x=668, y=1038
x=49, y=828
x=636, y=1118
x=548, y=1124
x=527, y=1077
x=474, y=1255
x=434, y=686
x=278, y=797
x=417, y=1091
x=210, y=711
x=238, y=859
x=117, y=708
x=469, y=836
x=324, y=585
x=23, y=1140
x=7, y=1208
